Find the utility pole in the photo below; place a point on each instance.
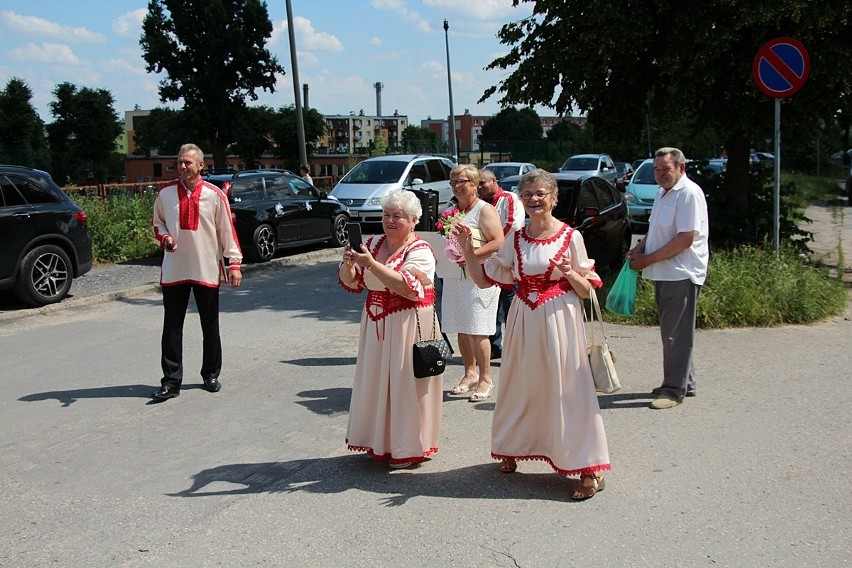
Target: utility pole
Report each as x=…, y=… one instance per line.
x=300, y=125
x=451, y=134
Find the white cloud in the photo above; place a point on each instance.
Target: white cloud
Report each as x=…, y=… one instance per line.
x=129, y=24
x=39, y=26
x=307, y=38
x=478, y=10
x=53, y=53
x=375, y=41
x=400, y=7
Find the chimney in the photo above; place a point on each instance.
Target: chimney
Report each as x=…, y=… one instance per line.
x=305, y=102
x=379, y=88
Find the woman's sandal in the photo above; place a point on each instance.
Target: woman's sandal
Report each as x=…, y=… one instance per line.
x=508, y=466
x=480, y=396
x=464, y=388
x=583, y=492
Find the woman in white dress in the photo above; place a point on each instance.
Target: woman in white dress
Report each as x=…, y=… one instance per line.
x=547, y=408
x=466, y=309
x=393, y=416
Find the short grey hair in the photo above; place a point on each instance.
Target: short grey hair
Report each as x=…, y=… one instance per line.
x=675, y=153
x=541, y=178
x=186, y=148
x=405, y=200
x=485, y=174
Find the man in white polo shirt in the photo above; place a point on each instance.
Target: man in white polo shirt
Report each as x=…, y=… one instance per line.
x=674, y=255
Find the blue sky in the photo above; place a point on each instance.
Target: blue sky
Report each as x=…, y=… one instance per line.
x=344, y=47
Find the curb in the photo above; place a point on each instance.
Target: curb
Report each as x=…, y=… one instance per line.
x=301, y=259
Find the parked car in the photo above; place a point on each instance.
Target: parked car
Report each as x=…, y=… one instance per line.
x=623, y=171
x=596, y=209
x=222, y=181
x=503, y=169
x=46, y=241
x=361, y=189
x=640, y=193
x=279, y=209
x=590, y=165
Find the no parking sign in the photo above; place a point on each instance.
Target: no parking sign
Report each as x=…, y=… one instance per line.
x=781, y=67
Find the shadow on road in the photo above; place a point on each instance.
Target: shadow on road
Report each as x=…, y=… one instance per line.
x=68, y=397
x=343, y=473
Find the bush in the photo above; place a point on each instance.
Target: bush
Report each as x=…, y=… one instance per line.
x=752, y=287
x=120, y=225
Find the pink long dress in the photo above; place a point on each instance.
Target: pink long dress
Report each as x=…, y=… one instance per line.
x=547, y=408
x=392, y=415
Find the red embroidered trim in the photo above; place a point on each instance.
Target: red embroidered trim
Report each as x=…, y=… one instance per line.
x=590, y=469
x=387, y=303
x=510, y=216
x=388, y=456
x=190, y=206
x=546, y=287
x=194, y=282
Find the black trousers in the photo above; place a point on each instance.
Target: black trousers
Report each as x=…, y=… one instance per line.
x=175, y=302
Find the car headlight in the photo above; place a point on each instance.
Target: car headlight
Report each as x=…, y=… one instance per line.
x=376, y=201
x=630, y=198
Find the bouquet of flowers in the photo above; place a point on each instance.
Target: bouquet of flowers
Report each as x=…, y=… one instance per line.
x=452, y=249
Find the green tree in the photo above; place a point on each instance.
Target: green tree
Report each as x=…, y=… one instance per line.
x=82, y=138
x=418, y=139
x=657, y=65
x=513, y=124
x=164, y=130
x=214, y=56
x=253, y=134
x=284, y=133
x=21, y=130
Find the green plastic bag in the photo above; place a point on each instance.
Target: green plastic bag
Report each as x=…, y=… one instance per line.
x=622, y=297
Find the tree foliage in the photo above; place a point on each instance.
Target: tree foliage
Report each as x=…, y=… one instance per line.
x=21, y=130
x=285, y=133
x=83, y=136
x=214, y=56
x=513, y=124
x=416, y=139
x=624, y=64
x=165, y=130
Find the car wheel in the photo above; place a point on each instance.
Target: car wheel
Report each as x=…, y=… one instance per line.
x=45, y=276
x=264, y=244
x=339, y=235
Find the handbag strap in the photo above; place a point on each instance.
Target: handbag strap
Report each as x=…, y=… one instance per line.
x=434, y=323
x=596, y=311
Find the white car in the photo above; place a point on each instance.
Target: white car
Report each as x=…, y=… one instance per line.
x=590, y=165
x=503, y=169
x=361, y=189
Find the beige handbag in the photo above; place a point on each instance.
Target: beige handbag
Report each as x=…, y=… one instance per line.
x=601, y=358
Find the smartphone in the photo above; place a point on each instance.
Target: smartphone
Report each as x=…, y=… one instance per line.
x=355, y=239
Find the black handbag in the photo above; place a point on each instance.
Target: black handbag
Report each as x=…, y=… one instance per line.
x=430, y=355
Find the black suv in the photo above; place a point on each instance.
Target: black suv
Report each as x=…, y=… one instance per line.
x=274, y=209
x=46, y=241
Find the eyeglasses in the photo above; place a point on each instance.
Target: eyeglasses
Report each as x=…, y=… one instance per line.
x=455, y=182
x=526, y=196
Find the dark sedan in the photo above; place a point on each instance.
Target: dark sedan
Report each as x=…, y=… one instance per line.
x=597, y=210
x=273, y=210
x=45, y=236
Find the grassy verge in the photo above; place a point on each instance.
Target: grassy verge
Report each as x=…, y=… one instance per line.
x=120, y=226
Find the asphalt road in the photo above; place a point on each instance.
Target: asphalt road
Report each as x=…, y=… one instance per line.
x=754, y=471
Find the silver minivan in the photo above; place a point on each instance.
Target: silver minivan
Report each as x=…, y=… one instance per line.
x=362, y=188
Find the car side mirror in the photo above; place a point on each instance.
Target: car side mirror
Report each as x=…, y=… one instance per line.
x=416, y=181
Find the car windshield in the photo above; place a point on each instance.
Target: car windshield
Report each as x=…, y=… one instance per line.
x=645, y=174
x=502, y=171
x=580, y=164
x=376, y=172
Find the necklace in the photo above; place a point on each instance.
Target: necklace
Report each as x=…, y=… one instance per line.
x=545, y=233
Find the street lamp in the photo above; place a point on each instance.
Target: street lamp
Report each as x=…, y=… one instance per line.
x=452, y=130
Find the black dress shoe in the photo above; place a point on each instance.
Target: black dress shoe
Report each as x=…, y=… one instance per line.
x=212, y=385
x=165, y=393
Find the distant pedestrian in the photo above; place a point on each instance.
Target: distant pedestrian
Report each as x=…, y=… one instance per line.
x=305, y=172
x=674, y=254
x=511, y=212
x=192, y=223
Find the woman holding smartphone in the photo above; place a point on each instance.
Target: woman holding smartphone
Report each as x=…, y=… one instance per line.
x=393, y=416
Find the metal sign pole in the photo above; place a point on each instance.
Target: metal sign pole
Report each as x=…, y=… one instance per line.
x=776, y=209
